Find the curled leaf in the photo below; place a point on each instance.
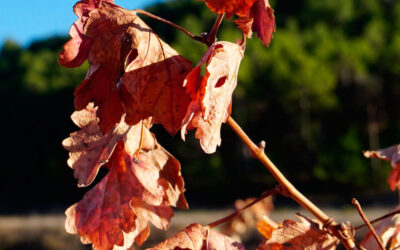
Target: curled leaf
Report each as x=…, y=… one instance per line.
x=212, y=94
x=264, y=20
x=197, y=237
x=391, y=154
x=254, y=16
x=230, y=7
x=108, y=48
x=116, y=40
x=89, y=149
x=305, y=234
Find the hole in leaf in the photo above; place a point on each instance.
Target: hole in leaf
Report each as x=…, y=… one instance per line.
x=220, y=82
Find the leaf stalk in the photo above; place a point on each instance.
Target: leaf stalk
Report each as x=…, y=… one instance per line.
x=160, y=19
x=212, y=36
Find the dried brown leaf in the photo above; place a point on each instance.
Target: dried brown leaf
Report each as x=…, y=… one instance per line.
x=305, y=234
x=197, y=237
x=212, y=94
x=117, y=211
x=113, y=40
x=90, y=149
x=264, y=20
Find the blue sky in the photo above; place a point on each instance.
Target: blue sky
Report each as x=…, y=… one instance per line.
x=26, y=20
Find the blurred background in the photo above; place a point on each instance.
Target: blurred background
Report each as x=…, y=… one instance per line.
x=326, y=88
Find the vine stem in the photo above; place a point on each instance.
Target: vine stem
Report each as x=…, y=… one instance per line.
x=340, y=231
x=371, y=228
x=212, y=36
x=160, y=19
x=237, y=212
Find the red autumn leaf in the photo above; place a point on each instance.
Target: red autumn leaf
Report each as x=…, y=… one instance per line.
x=391, y=154
x=264, y=20
x=254, y=16
x=388, y=230
x=117, y=211
x=106, y=62
x=230, y=7
x=305, y=234
x=212, y=94
x=170, y=175
x=115, y=37
x=197, y=237
x=162, y=173
x=153, y=83
x=90, y=149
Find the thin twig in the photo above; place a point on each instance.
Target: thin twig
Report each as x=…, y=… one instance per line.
x=237, y=212
x=290, y=191
x=189, y=34
x=371, y=228
x=212, y=36
x=379, y=219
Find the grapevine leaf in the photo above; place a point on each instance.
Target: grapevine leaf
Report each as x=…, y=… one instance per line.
x=122, y=204
x=170, y=175
x=254, y=16
x=389, y=231
x=99, y=28
x=230, y=7
x=90, y=149
x=118, y=39
x=212, y=94
x=391, y=154
x=153, y=83
x=197, y=237
x=264, y=20
x=162, y=171
x=305, y=234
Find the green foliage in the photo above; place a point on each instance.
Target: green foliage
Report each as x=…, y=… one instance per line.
x=43, y=74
